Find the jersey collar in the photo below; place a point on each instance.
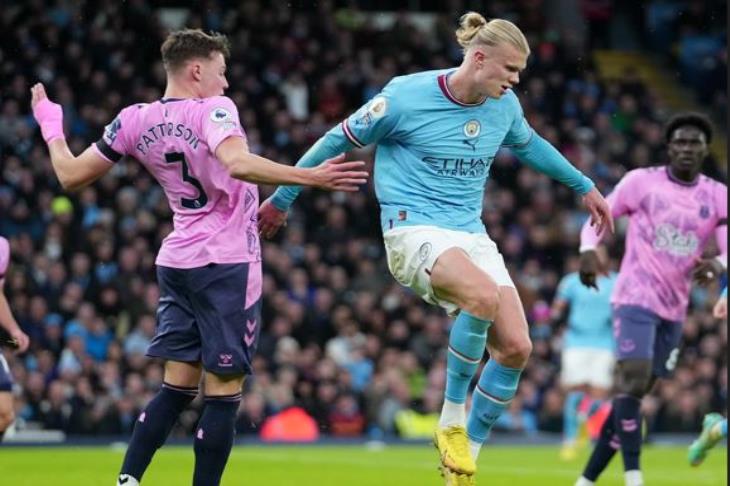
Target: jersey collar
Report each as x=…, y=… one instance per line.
x=444, y=86
x=671, y=177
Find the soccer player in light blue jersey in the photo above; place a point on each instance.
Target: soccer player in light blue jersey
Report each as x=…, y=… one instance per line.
x=436, y=135
x=587, y=359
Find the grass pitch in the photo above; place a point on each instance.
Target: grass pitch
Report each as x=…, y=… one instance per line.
x=345, y=466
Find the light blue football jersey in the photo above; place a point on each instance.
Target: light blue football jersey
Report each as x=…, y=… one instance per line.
x=589, y=316
x=433, y=152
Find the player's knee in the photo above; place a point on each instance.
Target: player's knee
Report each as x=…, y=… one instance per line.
x=514, y=353
x=484, y=304
x=520, y=352
x=634, y=377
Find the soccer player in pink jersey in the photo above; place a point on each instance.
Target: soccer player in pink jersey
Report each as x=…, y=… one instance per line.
x=209, y=267
x=18, y=340
x=673, y=212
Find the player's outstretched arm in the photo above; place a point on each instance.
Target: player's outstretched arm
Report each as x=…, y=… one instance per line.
x=333, y=174
x=73, y=172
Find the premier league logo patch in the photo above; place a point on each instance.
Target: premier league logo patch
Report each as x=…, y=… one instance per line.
x=472, y=128
x=110, y=131
x=220, y=115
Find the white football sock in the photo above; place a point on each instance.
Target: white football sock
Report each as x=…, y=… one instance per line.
x=633, y=478
x=452, y=414
x=475, y=447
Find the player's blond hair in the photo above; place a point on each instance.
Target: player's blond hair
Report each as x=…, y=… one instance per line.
x=475, y=30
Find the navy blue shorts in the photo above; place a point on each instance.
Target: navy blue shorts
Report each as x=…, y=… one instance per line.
x=641, y=334
x=6, y=379
x=209, y=314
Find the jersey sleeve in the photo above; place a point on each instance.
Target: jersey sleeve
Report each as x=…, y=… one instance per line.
x=375, y=120
x=626, y=196
x=624, y=199
x=219, y=121
x=4, y=258
x=520, y=132
x=113, y=143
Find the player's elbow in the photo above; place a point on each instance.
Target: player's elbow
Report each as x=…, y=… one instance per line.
x=71, y=184
x=239, y=169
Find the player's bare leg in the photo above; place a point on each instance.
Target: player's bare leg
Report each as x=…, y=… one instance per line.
x=7, y=414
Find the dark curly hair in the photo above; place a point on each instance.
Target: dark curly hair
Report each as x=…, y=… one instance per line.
x=183, y=45
x=697, y=120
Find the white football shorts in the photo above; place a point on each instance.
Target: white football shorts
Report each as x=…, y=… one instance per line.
x=413, y=250
x=587, y=366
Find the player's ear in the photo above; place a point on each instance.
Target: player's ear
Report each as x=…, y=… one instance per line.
x=196, y=69
x=479, y=56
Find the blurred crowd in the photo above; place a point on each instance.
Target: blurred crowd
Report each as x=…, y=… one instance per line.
x=341, y=340
x=692, y=36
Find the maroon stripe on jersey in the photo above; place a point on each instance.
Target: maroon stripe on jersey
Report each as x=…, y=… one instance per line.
x=445, y=90
x=351, y=136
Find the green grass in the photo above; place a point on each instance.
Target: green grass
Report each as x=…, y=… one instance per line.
x=344, y=466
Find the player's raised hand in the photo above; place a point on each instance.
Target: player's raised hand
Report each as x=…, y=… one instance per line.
x=706, y=270
x=337, y=175
x=270, y=219
x=601, y=217
x=48, y=114
x=589, y=266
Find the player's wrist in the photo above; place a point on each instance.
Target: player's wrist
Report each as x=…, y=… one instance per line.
x=280, y=201
x=49, y=116
x=587, y=248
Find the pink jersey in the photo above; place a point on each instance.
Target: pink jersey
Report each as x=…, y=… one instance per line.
x=4, y=257
x=215, y=216
x=670, y=223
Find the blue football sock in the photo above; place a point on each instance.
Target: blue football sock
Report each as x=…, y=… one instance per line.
x=606, y=447
x=570, y=416
x=495, y=390
x=467, y=341
x=214, y=438
x=153, y=426
x=627, y=422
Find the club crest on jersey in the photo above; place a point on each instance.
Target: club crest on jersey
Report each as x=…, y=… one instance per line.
x=472, y=128
x=220, y=115
x=704, y=212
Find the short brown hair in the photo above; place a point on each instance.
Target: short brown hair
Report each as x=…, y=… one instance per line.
x=183, y=45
